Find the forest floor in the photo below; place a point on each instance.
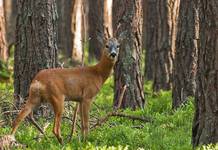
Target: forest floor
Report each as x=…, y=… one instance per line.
x=168, y=130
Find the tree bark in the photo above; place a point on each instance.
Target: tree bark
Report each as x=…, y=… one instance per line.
x=144, y=8
x=164, y=16
x=205, y=123
x=3, y=44
x=96, y=29
x=10, y=11
x=78, y=29
x=150, y=23
x=65, y=8
x=185, y=63
x=108, y=16
x=127, y=15
x=36, y=43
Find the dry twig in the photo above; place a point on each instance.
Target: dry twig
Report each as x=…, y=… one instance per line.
x=115, y=113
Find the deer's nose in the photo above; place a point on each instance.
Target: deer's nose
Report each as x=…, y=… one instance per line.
x=113, y=54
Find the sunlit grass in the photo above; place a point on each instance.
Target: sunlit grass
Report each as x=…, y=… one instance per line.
x=169, y=130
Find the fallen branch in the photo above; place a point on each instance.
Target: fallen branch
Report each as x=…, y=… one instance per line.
x=115, y=113
x=43, y=129
x=32, y=120
x=142, y=119
x=9, y=112
x=104, y=119
x=118, y=114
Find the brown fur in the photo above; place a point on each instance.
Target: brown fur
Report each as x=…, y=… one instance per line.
x=79, y=84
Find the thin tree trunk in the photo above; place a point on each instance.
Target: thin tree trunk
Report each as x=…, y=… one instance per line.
x=3, y=45
x=77, y=28
x=10, y=11
x=150, y=37
x=64, y=26
x=205, y=123
x=128, y=28
x=185, y=63
x=164, y=48
x=85, y=26
x=108, y=16
x=144, y=8
x=96, y=29
x=36, y=43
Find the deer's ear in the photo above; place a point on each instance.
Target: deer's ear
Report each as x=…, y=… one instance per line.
x=106, y=33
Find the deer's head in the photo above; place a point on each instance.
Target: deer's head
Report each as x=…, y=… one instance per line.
x=111, y=47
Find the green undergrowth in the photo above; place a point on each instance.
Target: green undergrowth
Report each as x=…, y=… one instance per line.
x=168, y=130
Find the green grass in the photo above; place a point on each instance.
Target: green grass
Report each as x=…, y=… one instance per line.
x=170, y=130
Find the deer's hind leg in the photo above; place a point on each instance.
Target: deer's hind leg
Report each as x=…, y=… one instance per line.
x=32, y=102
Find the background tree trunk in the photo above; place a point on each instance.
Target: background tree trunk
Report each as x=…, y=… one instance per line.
x=144, y=8
x=96, y=29
x=65, y=8
x=185, y=62
x=78, y=28
x=165, y=29
x=85, y=26
x=3, y=45
x=10, y=10
x=205, y=123
x=108, y=16
x=150, y=23
x=127, y=15
x=36, y=43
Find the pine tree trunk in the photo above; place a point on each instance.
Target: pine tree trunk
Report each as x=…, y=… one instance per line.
x=128, y=27
x=96, y=29
x=185, y=63
x=78, y=29
x=205, y=123
x=150, y=37
x=36, y=43
x=3, y=45
x=85, y=26
x=108, y=16
x=165, y=29
x=64, y=26
x=10, y=11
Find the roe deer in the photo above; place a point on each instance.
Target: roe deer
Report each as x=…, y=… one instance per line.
x=79, y=84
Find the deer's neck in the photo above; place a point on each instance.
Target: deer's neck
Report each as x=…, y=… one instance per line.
x=105, y=66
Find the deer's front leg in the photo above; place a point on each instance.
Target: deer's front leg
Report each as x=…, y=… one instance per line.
x=84, y=113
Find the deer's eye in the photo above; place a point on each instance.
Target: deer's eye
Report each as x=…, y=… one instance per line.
x=107, y=46
x=118, y=46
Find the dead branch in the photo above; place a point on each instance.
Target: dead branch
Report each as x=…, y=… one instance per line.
x=104, y=119
x=32, y=120
x=142, y=119
x=121, y=97
x=10, y=112
x=43, y=129
x=115, y=113
x=118, y=114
